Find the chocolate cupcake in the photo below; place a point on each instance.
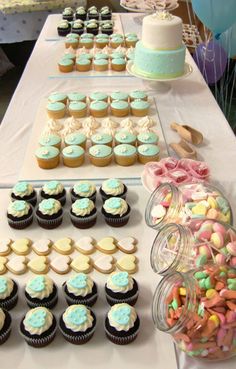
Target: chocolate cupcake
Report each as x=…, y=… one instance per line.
x=77, y=324
x=113, y=188
x=8, y=293
x=80, y=289
x=116, y=212
x=92, y=27
x=68, y=14
x=24, y=191
x=93, y=13
x=38, y=327
x=49, y=213
x=77, y=27
x=122, y=324
x=83, y=213
x=41, y=291
x=5, y=325
x=83, y=189
x=80, y=13
x=107, y=28
x=121, y=287
x=54, y=190
x=63, y=28
x=105, y=13
x=19, y=214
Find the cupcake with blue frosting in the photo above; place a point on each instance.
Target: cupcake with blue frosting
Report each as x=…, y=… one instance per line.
x=49, y=213
x=5, y=325
x=116, y=212
x=24, y=191
x=19, y=214
x=121, y=287
x=83, y=189
x=83, y=213
x=80, y=289
x=41, y=291
x=113, y=187
x=54, y=190
x=8, y=293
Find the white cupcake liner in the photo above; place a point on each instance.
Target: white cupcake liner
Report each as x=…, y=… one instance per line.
x=21, y=224
x=39, y=342
x=127, y=300
x=47, y=304
x=77, y=339
x=50, y=223
x=84, y=220
x=87, y=302
x=122, y=340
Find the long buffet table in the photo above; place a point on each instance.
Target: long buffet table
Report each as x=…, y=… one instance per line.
x=188, y=101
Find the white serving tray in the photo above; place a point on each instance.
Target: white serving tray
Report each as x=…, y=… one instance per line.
x=152, y=349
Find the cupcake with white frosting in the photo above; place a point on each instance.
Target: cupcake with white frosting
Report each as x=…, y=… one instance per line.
x=116, y=212
x=121, y=287
x=49, y=213
x=8, y=293
x=80, y=289
x=5, y=325
x=83, y=189
x=38, y=327
x=24, y=191
x=54, y=190
x=19, y=214
x=122, y=324
x=77, y=324
x=41, y=291
x=83, y=213
x=113, y=187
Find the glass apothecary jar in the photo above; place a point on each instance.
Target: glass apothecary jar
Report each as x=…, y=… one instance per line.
x=188, y=202
x=180, y=248
x=198, y=309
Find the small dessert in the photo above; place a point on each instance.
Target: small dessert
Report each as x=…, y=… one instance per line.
x=85, y=54
x=107, y=28
x=54, y=190
x=109, y=126
x=125, y=154
x=101, y=42
x=50, y=140
x=98, y=96
x=83, y=213
x=49, y=213
x=119, y=108
x=56, y=110
x=121, y=288
x=80, y=289
x=76, y=139
x=38, y=327
x=131, y=40
x=130, y=53
x=19, y=214
x=118, y=64
x=77, y=109
x=48, y=157
x=77, y=324
x=68, y=14
x=72, y=42
x=116, y=212
x=122, y=324
x=147, y=138
x=125, y=137
x=53, y=126
x=100, y=155
x=105, y=13
x=93, y=13
x=41, y=291
x=101, y=56
x=100, y=65
x=83, y=64
x=5, y=325
x=73, y=156
x=65, y=65
x=63, y=28
x=138, y=94
x=69, y=55
x=113, y=188
x=139, y=108
x=83, y=189
x=77, y=27
x=98, y=109
x=76, y=96
x=86, y=42
x=80, y=13
x=72, y=35
x=58, y=97
x=24, y=191
x=148, y=152
x=71, y=125
x=92, y=27
x=8, y=293
x=87, y=35
x=101, y=139
x=116, y=42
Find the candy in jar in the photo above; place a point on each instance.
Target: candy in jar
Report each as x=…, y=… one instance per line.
x=198, y=309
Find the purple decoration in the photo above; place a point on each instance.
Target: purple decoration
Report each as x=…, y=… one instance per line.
x=211, y=60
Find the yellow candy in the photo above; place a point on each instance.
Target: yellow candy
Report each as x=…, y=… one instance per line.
x=224, y=218
x=214, y=318
x=210, y=293
x=168, y=197
x=199, y=209
x=182, y=291
x=212, y=202
x=223, y=269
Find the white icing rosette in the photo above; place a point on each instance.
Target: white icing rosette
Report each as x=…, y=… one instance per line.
x=53, y=126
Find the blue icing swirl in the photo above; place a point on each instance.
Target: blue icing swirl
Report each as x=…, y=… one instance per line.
x=19, y=205
x=21, y=187
x=98, y=105
x=55, y=106
x=37, y=319
x=122, y=315
x=37, y=284
x=113, y=183
x=78, y=316
x=82, y=203
x=98, y=96
x=120, y=279
x=114, y=203
x=83, y=187
x=76, y=96
x=3, y=284
x=48, y=204
x=52, y=185
x=118, y=61
x=79, y=281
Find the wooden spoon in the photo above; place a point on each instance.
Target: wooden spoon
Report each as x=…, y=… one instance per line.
x=183, y=150
x=188, y=133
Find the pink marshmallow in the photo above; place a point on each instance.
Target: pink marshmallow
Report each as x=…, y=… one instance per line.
x=217, y=227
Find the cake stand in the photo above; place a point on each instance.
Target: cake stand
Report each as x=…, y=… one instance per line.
x=158, y=84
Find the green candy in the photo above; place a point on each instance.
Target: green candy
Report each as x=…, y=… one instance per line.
x=201, y=260
x=200, y=310
x=202, y=284
x=200, y=275
x=174, y=304
x=194, y=353
x=208, y=284
x=222, y=274
x=231, y=284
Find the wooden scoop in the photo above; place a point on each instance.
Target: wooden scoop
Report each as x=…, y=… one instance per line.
x=183, y=150
x=188, y=133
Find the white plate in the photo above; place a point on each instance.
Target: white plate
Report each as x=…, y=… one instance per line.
x=174, y=5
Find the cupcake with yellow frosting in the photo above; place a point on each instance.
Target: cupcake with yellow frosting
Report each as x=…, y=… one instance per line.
x=116, y=211
x=41, y=291
x=24, y=191
x=83, y=213
x=19, y=214
x=113, y=187
x=38, y=327
x=5, y=325
x=8, y=293
x=77, y=324
x=49, y=213
x=80, y=289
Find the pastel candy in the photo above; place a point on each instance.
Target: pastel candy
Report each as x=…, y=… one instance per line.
x=204, y=235
x=199, y=209
x=212, y=213
x=205, y=250
x=220, y=259
x=212, y=202
x=231, y=248
x=232, y=262
x=217, y=239
x=217, y=227
x=158, y=211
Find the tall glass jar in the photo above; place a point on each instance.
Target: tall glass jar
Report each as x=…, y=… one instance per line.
x=188, y=202
x=180, y=248
x=198, y=309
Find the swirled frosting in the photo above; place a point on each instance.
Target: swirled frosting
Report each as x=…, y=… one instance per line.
x=115, y=206
x=22, y=189
x=6, y=287
x=77, y=318
x=84, y=188
x=113, y=187
x=91, y=123
x=52, y=127
x=53, y=188
x=82, y=207
x=80, y=285
x=108, y=122
x=72, y=123
x=120, y=282
x=38, y=320
x=18, y=208
x=2, y=318
x=39, y=287
x=49, y=206
x=145, y=123
x=122, y=317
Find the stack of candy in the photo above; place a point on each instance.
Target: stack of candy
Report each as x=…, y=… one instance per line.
x=202, y=320
x=171, y=170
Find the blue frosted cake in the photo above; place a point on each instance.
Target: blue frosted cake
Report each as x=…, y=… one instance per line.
x=160, y=53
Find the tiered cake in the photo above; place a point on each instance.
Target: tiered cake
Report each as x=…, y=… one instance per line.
x=160, y=53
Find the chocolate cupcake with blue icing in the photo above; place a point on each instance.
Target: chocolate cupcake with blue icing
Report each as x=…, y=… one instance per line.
x=81, y=13
x=121, y=287
x=116, y=212
x=24, y=191
x=113, y=187
x=68, y=14
x=49, y=213
x=41, y=291
x=80, y=289
x=63, y=28
x=5, y=325
x=19, y=214
x=83, y=213
x=54, y=190
x=8, y=293
x=83, y=189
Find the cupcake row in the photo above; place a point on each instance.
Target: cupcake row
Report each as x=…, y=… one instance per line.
x=83, y=213
x=93, y=39
x=92, y=12
x=80, y=288
x=80, y=27
x=77, y=325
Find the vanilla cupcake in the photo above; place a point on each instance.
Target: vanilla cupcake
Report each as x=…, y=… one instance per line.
x=139, y=108
x=125, y=154
x=116, y=212
x=100, y=155
x=98, y=109
x=125, y=137
x=65, y=65
x=83, y=189
x=147, y=153
x=83, y=213
x=73, y=156
x=50, y=140
x=118, y=64
x=24, y=191
x=40, y=290
x=102, y=139
x=113, y=188
x=56, y=110
x=80, y=289
x=58, y=97
x=100, y=65
x=83, y=64
x=77, y=109
x=119, y=108
x=54, y=190
x=48, y=157
x=76, y=138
